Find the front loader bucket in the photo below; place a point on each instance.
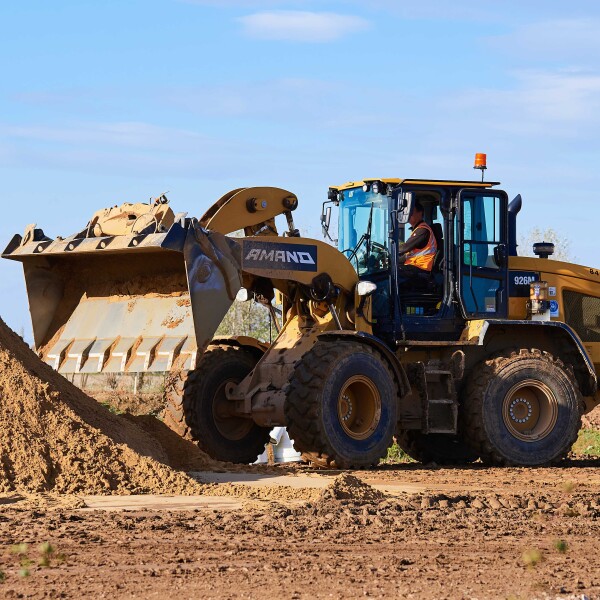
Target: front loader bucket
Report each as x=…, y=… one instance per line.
x=116, y=313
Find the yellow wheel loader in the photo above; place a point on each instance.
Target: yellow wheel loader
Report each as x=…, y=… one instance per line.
x=490, y=355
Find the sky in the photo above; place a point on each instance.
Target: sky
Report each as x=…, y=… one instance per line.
x=119, y=101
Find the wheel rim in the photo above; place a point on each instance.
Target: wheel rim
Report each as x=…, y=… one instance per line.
x=530, y=410
x=359, y=407
x=229, y=426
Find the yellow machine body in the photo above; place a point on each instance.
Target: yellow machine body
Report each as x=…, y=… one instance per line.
x=140, y=292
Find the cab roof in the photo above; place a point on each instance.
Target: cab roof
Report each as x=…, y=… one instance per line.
x=424, y=182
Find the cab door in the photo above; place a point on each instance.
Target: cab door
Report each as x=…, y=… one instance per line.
x=482, y=253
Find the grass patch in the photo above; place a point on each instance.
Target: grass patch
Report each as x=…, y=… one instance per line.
x=560, y=546
x=588, y=442
x=111, y=408
x=532, y=557
x=395, y=455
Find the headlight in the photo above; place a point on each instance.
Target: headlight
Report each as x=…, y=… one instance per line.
x=243, y=295
x=365, y=288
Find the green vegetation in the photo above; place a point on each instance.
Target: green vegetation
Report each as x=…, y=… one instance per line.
x=21, y=550
x=46, y=552
x=396, y=455
x=111, y=408
x=561, y=546
x=588, y=442
x=532, y=557
x=248, y=318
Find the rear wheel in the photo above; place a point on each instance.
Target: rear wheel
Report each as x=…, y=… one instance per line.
x=522, y=408
x=442, y=449
x=341, y=405
x=204, y=412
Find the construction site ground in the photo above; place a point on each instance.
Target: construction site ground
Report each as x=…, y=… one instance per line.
x=99, y=505
x=396, y=531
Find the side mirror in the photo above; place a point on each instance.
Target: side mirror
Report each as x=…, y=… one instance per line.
x=500, y=257
x=325, y=220
x=405, y=203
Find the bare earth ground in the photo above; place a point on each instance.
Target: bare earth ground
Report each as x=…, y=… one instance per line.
x=417, y=533
x=240, y=532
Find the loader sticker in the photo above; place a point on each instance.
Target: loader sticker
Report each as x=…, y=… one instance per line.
x=518, y=283
x=280, y=256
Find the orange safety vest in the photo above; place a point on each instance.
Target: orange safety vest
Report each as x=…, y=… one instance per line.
x=423, y=258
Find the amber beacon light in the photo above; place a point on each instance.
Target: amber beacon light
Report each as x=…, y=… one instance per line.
x=480, y=163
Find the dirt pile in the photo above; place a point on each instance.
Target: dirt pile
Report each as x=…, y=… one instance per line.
x=133, y=404
x=592, y=419
x=344, y=490
x=182, y=454
x=346, y=487
x=53, y=437
x=274, y=493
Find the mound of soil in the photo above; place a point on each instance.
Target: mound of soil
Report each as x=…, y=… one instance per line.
x=53, y=437
x=133, y=404
x=347, y=487
x=181, y=454
x=272, y=493
x=592, y=419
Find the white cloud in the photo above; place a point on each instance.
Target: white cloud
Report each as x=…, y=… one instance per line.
x=274, y=99
x=482, y=11
x=123, y=134
x=249, y=4
x=563, y=102
x=301, y=26
x=573, y=39
x=568, y=96
x=300, y=107
x=138, y=149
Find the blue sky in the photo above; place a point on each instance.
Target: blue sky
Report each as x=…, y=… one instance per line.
x=113, y=101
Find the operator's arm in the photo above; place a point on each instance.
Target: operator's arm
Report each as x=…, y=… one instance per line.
x=418, y=240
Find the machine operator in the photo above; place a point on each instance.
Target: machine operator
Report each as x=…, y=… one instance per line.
x=418, y=252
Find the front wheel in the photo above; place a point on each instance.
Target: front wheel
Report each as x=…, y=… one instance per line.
x=522, y=408
x=341, y=405
x=204, y=413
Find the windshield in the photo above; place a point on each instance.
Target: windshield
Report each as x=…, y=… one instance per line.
x=363, y=230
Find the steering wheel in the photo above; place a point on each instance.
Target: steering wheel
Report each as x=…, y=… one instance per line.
x=380, y=256
x=377, y=260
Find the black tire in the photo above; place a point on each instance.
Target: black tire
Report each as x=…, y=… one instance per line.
x=341, y=405
x=173, y=415
x=522, y=408
x=439, y=448
x=223, y=437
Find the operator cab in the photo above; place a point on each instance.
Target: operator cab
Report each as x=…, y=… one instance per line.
x=423, y=294
x=468, y=278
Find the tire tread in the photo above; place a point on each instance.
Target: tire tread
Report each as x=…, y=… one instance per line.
x=302, y=406
x=473, y=405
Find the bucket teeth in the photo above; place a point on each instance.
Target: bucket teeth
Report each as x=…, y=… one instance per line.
x=128, y=304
